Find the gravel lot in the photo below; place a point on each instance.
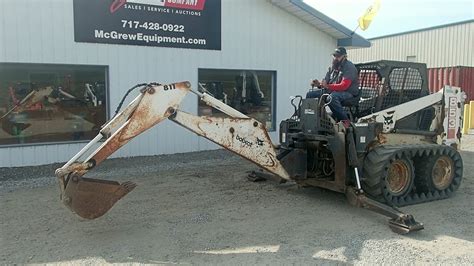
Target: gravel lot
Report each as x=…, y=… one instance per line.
x=198, y=208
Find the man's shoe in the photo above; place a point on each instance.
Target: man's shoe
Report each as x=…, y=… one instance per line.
x=346, y=123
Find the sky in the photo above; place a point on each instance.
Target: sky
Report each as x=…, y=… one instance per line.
x=396, y=16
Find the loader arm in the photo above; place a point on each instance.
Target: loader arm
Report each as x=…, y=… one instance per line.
x=390, y=116
x=91, y=198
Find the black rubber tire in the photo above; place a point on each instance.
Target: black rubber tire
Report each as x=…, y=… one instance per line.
x=376, y=173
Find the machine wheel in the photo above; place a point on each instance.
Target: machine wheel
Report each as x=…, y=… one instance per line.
x=399, y=178
x=443, y=172
x=437, y=172
x=388, y=174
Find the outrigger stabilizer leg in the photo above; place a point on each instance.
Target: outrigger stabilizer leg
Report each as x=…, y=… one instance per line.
x=400, y=223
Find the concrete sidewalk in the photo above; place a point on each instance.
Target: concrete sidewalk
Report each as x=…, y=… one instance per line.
x=467, y=142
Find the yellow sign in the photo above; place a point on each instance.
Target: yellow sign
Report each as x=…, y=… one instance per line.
x=369, y=15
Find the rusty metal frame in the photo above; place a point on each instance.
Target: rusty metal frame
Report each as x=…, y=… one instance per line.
x=244, y=136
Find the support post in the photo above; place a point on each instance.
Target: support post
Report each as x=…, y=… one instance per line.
x=467, y=119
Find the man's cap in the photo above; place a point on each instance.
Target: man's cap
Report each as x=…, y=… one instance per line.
x=340, y=51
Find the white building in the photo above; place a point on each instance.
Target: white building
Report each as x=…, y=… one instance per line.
x=441, y=46
x=284, y=43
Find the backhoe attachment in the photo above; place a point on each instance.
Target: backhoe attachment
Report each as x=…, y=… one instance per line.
x=91, y=198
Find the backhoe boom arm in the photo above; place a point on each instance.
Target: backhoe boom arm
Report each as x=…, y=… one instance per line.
x=240, y=134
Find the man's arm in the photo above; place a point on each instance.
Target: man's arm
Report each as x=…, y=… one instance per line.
x=342, y=86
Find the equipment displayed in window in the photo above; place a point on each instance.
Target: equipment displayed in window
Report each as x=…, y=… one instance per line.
x=248, y=89
x=50, y=106
x=249, y=92
x=36, y=99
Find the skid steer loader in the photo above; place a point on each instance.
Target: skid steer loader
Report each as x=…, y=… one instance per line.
x=400, y=149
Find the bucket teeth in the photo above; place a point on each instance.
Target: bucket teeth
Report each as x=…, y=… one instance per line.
x=129, y=186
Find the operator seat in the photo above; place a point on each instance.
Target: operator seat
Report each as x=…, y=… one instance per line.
x=352, y=105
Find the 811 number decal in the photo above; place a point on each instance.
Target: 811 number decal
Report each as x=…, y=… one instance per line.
x=169, y=87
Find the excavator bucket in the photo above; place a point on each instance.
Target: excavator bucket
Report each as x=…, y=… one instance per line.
x=91, y=198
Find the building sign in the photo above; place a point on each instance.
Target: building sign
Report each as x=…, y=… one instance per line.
x=194, y=24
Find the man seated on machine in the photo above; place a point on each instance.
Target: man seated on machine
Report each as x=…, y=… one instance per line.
x=341, y=82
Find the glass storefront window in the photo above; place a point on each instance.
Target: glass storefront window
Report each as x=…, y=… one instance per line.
x=51, y=103
x=250, y=92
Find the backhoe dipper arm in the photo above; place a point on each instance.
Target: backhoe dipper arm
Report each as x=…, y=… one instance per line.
x=244, y=136
x=91, y=198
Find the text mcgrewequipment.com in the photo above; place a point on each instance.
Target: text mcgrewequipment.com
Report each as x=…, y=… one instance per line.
x=140, y=37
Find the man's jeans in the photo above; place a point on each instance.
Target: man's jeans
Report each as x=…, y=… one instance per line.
x=336, y=104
